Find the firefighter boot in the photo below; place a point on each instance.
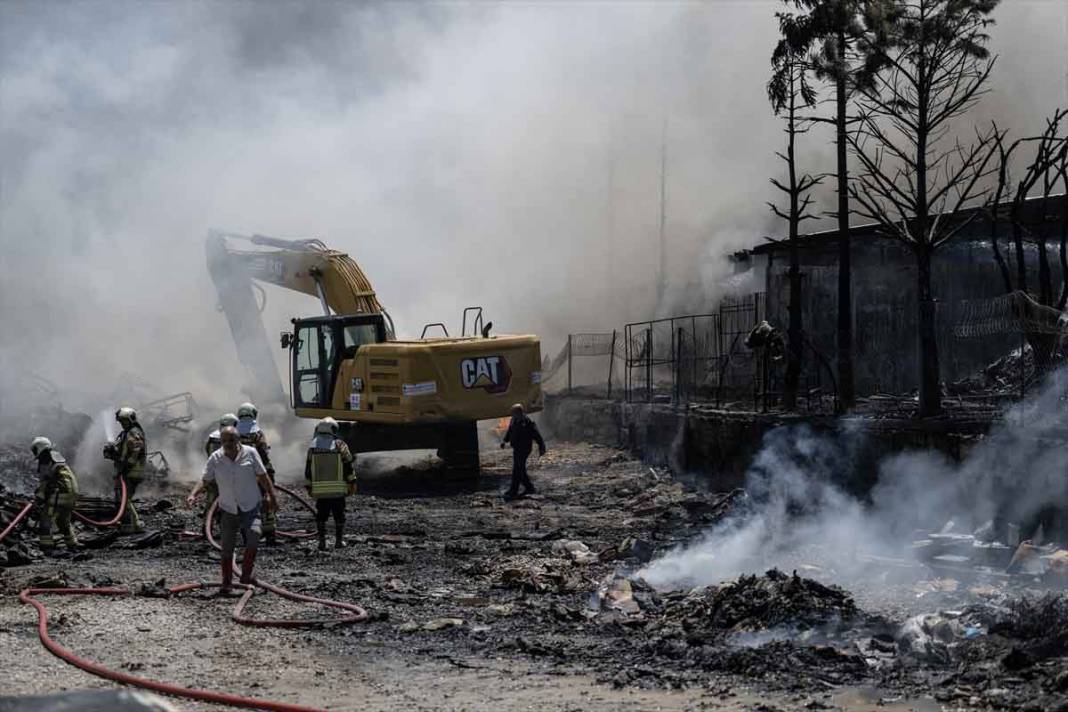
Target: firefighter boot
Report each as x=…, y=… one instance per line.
x=339, y=539
x=322, y=536
x=246, y=566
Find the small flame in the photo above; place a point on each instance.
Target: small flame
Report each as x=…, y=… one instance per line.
x=501, y=427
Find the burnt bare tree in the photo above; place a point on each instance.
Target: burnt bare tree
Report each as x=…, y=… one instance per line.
x=1013, y=203
x=789, y=92
x=915, y=173
x=833, y=35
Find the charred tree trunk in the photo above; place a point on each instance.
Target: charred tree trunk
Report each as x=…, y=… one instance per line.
x=1021, y=259
x=1045, y=278
x=930, y=389
x=793, y=332
x=1063, y=300
x=1003, y=267
x=846, y=392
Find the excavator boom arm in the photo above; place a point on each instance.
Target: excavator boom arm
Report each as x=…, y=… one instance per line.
x=306, y=266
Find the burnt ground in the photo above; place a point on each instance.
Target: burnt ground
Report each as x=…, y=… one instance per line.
x=481, y=604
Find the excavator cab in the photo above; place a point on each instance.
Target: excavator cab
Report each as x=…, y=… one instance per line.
x=318, y=346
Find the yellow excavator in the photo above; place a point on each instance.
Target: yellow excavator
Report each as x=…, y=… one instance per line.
x=386, y=393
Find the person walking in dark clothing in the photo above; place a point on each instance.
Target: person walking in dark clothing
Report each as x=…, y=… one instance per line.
x=522, y=434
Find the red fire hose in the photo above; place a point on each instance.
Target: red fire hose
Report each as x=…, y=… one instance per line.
x=112, y=522
x=18, y=518
x=118, y=515
x=355, y=614
x=209, y=518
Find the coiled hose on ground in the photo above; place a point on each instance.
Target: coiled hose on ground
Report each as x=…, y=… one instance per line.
x=355, y=614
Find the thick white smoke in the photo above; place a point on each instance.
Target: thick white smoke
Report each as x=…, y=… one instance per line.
x=500, y=154
x=801, y=513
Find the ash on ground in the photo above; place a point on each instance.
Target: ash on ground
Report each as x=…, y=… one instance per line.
x=478, y=603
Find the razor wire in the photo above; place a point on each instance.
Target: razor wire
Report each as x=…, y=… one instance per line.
x=1013, y=313
x=585, y=344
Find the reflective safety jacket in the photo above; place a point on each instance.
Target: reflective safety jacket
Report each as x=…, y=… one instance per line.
x=328, y=471
x=132, y=453
x=58, y=484
x=250, y=434
x=214, y=442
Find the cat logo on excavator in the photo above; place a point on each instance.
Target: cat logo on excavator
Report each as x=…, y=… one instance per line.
x=490, y=373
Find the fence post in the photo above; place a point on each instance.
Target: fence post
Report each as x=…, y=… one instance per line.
x=674, y=366
x=678, y=366
x=611, y=363
x=693, y=358
x=649, y=363
x=569, y=364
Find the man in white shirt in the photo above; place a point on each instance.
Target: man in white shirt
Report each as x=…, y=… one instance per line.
x=239, y=474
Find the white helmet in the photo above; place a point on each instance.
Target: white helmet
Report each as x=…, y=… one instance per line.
x=247, y=410
x=126, y=413
x=39, y=445
x=326, y=426
x=227, y=419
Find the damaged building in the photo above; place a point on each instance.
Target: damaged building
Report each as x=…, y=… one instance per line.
x=964, y=272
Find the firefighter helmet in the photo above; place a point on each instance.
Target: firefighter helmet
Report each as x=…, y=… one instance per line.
x=247, y=410
x=39, y=445
x=126, y=414
x=326, y=426
x=227, y=419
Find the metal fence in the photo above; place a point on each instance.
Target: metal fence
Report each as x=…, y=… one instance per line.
x=684, y=359
x=692, y=357
x=606, y=345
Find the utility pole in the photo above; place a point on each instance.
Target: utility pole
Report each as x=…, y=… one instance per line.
x=610, y=231
x=661, y=285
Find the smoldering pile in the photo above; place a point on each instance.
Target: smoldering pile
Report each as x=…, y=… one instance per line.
x=755, y=603
x=781, y=628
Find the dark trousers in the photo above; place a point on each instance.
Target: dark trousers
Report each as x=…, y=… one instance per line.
x=520, y=478
x=327, y=507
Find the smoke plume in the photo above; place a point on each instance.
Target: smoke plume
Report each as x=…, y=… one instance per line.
x=499, y=154
x=800, y=511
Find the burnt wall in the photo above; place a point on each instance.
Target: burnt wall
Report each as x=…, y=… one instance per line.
x=719, y=446
x=884, y=307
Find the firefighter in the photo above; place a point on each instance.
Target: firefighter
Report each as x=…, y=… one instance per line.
x=55, y=496
x=329, y=475
x=211, y=490
x=249, y=431
x=129, y=452
x=522, y=434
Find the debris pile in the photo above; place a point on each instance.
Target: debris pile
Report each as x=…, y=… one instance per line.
x=17, y=469
x=755, y=603
x=1005, y=375
x=773, y=627
x=15, y=549
x=539, y=575
x=953, y=554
